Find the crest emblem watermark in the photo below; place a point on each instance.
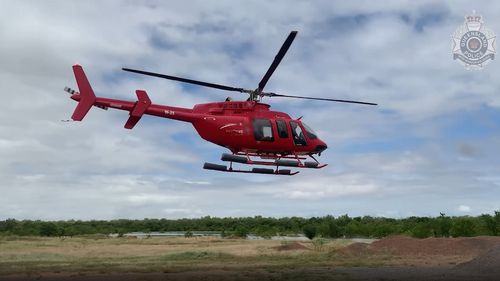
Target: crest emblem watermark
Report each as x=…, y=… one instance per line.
x=473, y=43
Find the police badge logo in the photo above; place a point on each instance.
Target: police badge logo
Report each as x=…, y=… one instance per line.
x=473, y=43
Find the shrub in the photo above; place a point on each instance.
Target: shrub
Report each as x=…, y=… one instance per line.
x=309, y=231
x=241, y=231
x=421, y=230
x=318, y=243
x=462, y=227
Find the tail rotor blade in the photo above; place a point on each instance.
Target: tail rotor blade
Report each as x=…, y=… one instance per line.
x=70, y=91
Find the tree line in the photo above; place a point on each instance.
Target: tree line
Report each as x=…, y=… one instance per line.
x=327, y=226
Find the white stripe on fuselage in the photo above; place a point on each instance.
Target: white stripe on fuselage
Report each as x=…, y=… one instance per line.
x=228, y=125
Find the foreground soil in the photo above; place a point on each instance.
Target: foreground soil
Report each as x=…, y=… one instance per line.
x=312, y=273
x=392, y=258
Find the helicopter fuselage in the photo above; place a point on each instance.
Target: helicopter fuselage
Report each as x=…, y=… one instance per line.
x=240, y=126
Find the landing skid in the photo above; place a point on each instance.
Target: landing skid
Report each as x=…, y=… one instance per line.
x=266, y=171
x=279, y=161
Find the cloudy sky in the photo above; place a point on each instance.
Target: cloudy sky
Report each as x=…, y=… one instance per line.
x=432, y=145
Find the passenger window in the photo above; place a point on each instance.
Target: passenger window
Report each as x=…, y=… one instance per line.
x=263, y=130
x=282, y=130
x=298, y=136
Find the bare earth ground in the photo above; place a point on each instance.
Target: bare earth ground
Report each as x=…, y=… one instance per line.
x=392, y=258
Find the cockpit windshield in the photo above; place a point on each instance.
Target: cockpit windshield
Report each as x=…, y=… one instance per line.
x=310, y=132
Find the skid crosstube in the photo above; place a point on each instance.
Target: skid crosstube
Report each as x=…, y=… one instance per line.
x=266, y=171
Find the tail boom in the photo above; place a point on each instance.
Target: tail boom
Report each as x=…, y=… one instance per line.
x=86, y=99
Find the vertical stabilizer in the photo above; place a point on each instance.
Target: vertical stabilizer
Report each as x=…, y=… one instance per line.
x=87, y=96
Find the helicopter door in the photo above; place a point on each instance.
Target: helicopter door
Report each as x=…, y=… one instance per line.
x=298, y=135
x=282, y=129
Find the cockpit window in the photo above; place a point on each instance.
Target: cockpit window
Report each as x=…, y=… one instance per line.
x=310, y=132
x=298, y=136
x=263, y=130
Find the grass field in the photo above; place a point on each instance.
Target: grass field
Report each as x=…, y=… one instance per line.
x=105, y=255
x=110, y=259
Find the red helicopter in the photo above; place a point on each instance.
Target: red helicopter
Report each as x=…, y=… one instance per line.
x=253, y=133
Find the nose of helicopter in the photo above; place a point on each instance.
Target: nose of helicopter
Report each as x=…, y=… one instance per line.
x=320, y=147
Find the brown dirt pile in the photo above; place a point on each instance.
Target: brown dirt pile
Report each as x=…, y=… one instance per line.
x=407, y=246
x=291, y=247
x=355, y=249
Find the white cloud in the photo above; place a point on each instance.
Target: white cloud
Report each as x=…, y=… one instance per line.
x=184, y=213
x=141, y=199
x=464, y=208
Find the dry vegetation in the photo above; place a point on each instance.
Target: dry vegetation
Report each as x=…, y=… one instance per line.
x=240, y=259
x=103, y=255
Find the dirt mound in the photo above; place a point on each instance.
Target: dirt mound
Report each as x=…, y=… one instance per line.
x=487, y=262
x=291, y=247
x=355, y=249
x=404, y=246
x=407, y=246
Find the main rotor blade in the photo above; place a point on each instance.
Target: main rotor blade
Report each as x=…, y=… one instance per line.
x=312, y=98
x=277, y=60
x=190, y=81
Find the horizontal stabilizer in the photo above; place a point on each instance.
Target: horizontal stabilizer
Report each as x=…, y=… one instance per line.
x=131, y=121
x=142, y=104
